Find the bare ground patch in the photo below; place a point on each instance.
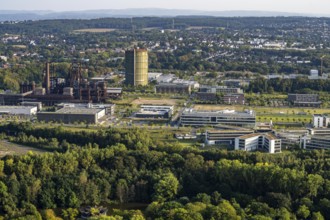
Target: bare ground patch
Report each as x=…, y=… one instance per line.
x=7, y=148
x=154, y=102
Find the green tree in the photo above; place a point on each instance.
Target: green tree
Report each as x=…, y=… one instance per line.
x=166, y=188
x=303, y=212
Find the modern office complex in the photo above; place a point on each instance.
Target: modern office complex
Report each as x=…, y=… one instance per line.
x=317, y=142
x=173, y=88
x=234, y=99
x=304, y=100
x=320, y=121
x=222, y=94
x=136, y=63
x=220, y=89
x=227, y=137
x=258, y=141
x=191, y=117
x=153, y=111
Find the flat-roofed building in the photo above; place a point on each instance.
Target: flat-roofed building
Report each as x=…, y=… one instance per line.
x=173, y=88
x=166, y=78
x=304, y=100
x=193, y=84
x=191, y=117
x=320, y=121
x=291, y=137
x=38, y=104
x=317, y=142
x=215, y=137
x=18, y=110
x=69, y=115
x=258, y=141
x=158, y=107
x=234, y=99
x=154, y=76
x=153, y=111
x=320, y=131
x=109, y=108
x=114, y=92
x=220, y=89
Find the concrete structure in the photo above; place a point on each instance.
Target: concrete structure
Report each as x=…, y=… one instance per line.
x=234, y=99
x=18, y=110
x=109, y=108
x=320, y=121
x=136, y=64
x=193, y=84
x=73, y=115
x=316, y=142
x=37, y=104
x=114, y=92
x=154, y=76
x=304, y=100
x=220, y=89
x=152, y=111
x=320, y=131
x=215, y=137
x=221, y=94
x=13, y=99
x=191, y=117
x=166, y=78
x=173, y=88
x=258, y=141
x=291, y=137
x=318, y=138
x=158, y=108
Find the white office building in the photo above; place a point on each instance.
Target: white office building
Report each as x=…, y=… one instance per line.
x=191, y=117
x=258, y=141
x=320, y=121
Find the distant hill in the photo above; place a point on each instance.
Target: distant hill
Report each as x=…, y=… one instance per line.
x=16, y=15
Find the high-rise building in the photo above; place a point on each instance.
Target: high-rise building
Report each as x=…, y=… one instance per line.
x=136, y=63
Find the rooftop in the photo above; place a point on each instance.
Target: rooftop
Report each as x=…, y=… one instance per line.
x=269, y=136
x=85, y=111
x=215, y=113
x=227, y=131
x=247, y=136
x=6, y=107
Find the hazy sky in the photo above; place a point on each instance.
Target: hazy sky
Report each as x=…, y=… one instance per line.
x=305, y=6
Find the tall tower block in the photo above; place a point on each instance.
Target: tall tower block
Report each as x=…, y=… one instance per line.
x=136, y=64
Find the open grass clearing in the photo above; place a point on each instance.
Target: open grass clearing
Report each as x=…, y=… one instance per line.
x=8, y=148
x=149, y=101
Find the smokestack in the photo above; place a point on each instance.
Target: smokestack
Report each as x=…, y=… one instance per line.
x=47, y=78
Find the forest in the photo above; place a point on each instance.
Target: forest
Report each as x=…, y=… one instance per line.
x=115, y=166
x=299, y=85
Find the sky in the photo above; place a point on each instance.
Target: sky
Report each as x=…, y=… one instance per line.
x=298, y=6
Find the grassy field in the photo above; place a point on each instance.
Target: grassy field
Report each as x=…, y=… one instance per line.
x=7, y=148
x=149, y=101
x=95, y=30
